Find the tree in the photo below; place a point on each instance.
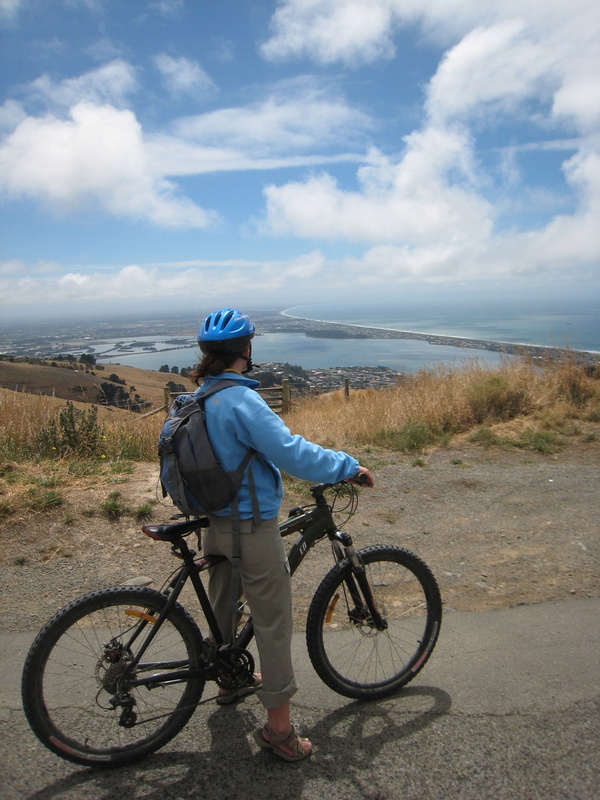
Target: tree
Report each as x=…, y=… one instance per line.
x=175, y=387
x=114, y=395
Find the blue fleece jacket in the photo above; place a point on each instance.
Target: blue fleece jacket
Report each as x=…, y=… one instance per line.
x=238, y=418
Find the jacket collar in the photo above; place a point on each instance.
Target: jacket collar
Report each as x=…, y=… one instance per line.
x=210, y=380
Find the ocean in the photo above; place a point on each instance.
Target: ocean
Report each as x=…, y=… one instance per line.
x=567, y=326
x=573, y=327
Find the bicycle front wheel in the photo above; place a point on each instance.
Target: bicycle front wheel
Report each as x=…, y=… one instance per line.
x=82, y=698
x=353, y=654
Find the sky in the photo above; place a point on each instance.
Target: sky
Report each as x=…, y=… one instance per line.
x=158, y=155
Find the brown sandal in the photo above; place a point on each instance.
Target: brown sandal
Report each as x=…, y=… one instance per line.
x=231, y=696
x=266, y=739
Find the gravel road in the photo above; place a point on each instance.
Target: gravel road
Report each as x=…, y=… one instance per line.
x=497, y=528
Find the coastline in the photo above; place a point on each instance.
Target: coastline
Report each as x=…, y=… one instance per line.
x=314, y=326
x=328, y=343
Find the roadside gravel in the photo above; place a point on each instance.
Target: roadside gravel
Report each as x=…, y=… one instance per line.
x=497, y=528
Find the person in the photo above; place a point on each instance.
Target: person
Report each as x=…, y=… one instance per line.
x=237, y=418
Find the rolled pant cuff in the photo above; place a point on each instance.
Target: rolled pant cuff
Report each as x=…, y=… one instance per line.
x=276, y=699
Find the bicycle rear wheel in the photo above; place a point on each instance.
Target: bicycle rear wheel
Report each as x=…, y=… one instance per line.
x=79, y=662
x=349, y=653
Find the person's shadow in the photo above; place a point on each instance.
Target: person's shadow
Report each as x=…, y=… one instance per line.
x=227, y=763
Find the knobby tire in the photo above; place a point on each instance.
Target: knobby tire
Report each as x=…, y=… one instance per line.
x=346, y=648
x=70, y=675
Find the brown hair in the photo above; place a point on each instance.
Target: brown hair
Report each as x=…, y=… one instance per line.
x=212, y=364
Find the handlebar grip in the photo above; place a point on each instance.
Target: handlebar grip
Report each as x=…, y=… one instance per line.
x=361, y=479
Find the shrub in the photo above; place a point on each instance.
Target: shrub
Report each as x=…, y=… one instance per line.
x=74, y=432
x=43, y=499
x=542, y=441
x=492, y=397
x=484, y=436
x=114, y=507
x=144, y=512
x=6, y=508
x=409, y=438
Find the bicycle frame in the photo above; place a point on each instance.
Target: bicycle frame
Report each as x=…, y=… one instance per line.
x=312, y=523
x=124, y=656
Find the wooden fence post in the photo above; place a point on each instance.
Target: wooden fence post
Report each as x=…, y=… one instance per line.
x=346, y=388
x=286, y=397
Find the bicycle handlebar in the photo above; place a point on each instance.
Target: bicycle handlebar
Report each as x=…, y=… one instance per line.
x=361, y=480
x=318, y=489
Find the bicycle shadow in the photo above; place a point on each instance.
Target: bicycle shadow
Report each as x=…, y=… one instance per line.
x=347, y=742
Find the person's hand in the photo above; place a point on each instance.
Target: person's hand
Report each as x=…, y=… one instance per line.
x=363, y=478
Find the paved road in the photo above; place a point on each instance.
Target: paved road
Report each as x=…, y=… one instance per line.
x=507, y=708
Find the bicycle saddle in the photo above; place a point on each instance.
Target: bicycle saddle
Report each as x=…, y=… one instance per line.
x=170, y=533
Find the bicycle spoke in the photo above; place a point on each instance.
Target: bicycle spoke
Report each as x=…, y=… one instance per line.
x=347, y=649
x=78, y=690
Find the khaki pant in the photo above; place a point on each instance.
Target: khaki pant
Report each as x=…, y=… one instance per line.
x=266, y=584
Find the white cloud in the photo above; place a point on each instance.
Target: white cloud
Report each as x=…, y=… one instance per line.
x=12, y=266
x=331, y=30
x=94, y=153
x=423, y=227
x=170, y=155
x=567, y=247
x=563, y=249
x=497, y=66
x=411, y=200
x=168, y=8
x=426, y=213
x=96, y=156
x=579, y=99
x=530, y=42
x=296, y=115
x=182, y=76
x=9, y=8
x=147, y=283
x=112, y=83
x=11, y=114
x=298, y=124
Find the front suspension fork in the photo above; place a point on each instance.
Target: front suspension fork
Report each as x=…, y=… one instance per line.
x=358, y=580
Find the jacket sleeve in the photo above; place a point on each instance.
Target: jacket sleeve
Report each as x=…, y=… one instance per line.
x=265, y=432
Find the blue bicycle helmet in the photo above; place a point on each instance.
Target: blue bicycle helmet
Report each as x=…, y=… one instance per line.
x=225, y=331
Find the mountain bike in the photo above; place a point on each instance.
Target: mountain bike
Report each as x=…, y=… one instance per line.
x=117, y=673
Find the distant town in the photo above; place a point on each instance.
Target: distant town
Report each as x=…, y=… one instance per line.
x=47, y=342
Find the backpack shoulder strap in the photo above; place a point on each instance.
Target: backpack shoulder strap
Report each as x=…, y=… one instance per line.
x=216, y=387
x=235, y=519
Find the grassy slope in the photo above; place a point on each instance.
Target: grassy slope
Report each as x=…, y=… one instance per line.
x=63, y=382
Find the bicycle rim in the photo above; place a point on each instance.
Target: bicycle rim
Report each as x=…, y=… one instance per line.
x=347, y=650
x=79, y=662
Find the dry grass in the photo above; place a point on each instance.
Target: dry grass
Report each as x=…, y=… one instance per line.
x=23, y=416
x=429, y=407
x=436, y=404
x=520, y=404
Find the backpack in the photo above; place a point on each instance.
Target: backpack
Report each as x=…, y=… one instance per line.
x=190, y=473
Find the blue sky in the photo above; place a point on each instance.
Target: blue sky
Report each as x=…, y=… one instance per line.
x=198, y=153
